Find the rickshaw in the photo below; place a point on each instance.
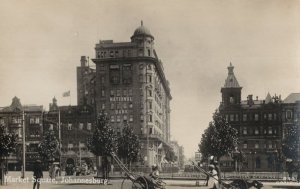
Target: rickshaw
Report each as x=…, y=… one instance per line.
x=138, y=181
x=235, y=184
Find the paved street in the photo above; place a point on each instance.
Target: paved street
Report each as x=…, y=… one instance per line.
x=14, y=182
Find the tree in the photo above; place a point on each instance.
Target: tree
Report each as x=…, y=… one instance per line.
x=170, y=155
x=128, y=145
x=103, y=142
x=289, y=148
x=48, y=148
x=219, y=138
x=289, y=143
x=8, y=142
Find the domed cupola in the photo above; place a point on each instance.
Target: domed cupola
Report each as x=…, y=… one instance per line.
x=142, y=31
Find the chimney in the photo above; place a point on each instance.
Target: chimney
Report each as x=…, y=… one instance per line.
x=250, y=99
x=83, y=61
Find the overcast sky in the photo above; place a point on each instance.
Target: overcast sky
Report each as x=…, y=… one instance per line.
x=41, y=43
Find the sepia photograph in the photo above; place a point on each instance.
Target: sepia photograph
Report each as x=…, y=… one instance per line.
x=161, y=94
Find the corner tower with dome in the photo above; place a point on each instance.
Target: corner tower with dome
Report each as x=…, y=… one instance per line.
x=131, y=88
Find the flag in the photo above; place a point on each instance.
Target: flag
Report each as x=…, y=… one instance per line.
x=66, y=94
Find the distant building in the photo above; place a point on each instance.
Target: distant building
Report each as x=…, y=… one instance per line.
x=258, y=122
x=12, y=118
x=77, y=125
x=131, y=86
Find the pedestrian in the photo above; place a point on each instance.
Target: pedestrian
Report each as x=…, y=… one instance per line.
x=37, y=174
x=214, y=179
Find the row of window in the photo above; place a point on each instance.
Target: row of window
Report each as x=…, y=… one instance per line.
x=117, y=118
x=121, y=105
x=256, y=131
x=251, y=117
x=70, y=126
x=265, y=145
x=120, y=92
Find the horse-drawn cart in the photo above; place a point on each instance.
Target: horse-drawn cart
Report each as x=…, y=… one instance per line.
x=138, y=181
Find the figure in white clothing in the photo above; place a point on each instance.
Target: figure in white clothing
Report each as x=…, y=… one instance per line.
x=214, y=179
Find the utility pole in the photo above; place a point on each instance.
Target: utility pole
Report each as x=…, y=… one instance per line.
x=24, y=145
x=59, y=140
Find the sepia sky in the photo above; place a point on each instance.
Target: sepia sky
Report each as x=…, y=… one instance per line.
x=41, y=43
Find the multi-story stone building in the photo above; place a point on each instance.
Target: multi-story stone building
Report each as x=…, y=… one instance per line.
x=77, y=125
x=258, y=122
x=131, y=86
x=16, y=117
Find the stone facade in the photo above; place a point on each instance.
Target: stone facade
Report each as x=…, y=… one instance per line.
x=13, y=117
x=131, y=86
x=259, y=125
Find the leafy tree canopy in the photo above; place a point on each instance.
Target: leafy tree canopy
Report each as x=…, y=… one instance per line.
x=8, y=142
x=219, y=138
x=289, y=143
x=104, y=141
x=128, y=144
x=48, y=148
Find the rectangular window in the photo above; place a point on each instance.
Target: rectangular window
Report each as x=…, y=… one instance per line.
x=256, y=131
x=150, y=118
x=103, y=106
x=31, y=120
x=245, y=131
x=125, y=118
x=236, y=117
x=142, y=118
x=118, y=106
x=125, y=105
x=102, y=79
x=129, y=92
x=103, y=93
x=69, y=126
x=118, y=92
x=112, y=92
x=256, y=117
x=118, y=118
x=231, y=117
x=131, y=118
x=80, y=126
x=269, y=116
x=245, y=145
x=89, y=126
x=114, y=73
x=70, y=147
x=270, y=130
x=149, y=93
x=112, y=106
x=51, y=127
x=244, y=117
x=289, y=114
x=112, y=118
x=125, y=92
x=130, y=105
x=256, y=145
x=149, y=79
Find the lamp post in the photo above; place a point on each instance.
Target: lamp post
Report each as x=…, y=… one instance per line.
x=23, y=146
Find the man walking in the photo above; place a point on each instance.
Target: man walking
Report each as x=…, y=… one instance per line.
x=37, y=174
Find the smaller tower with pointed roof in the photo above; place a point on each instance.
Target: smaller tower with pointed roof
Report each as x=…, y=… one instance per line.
x=231, y=92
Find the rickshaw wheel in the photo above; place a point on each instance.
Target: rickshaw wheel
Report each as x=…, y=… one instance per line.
x=239, y=184
x=140, y=183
